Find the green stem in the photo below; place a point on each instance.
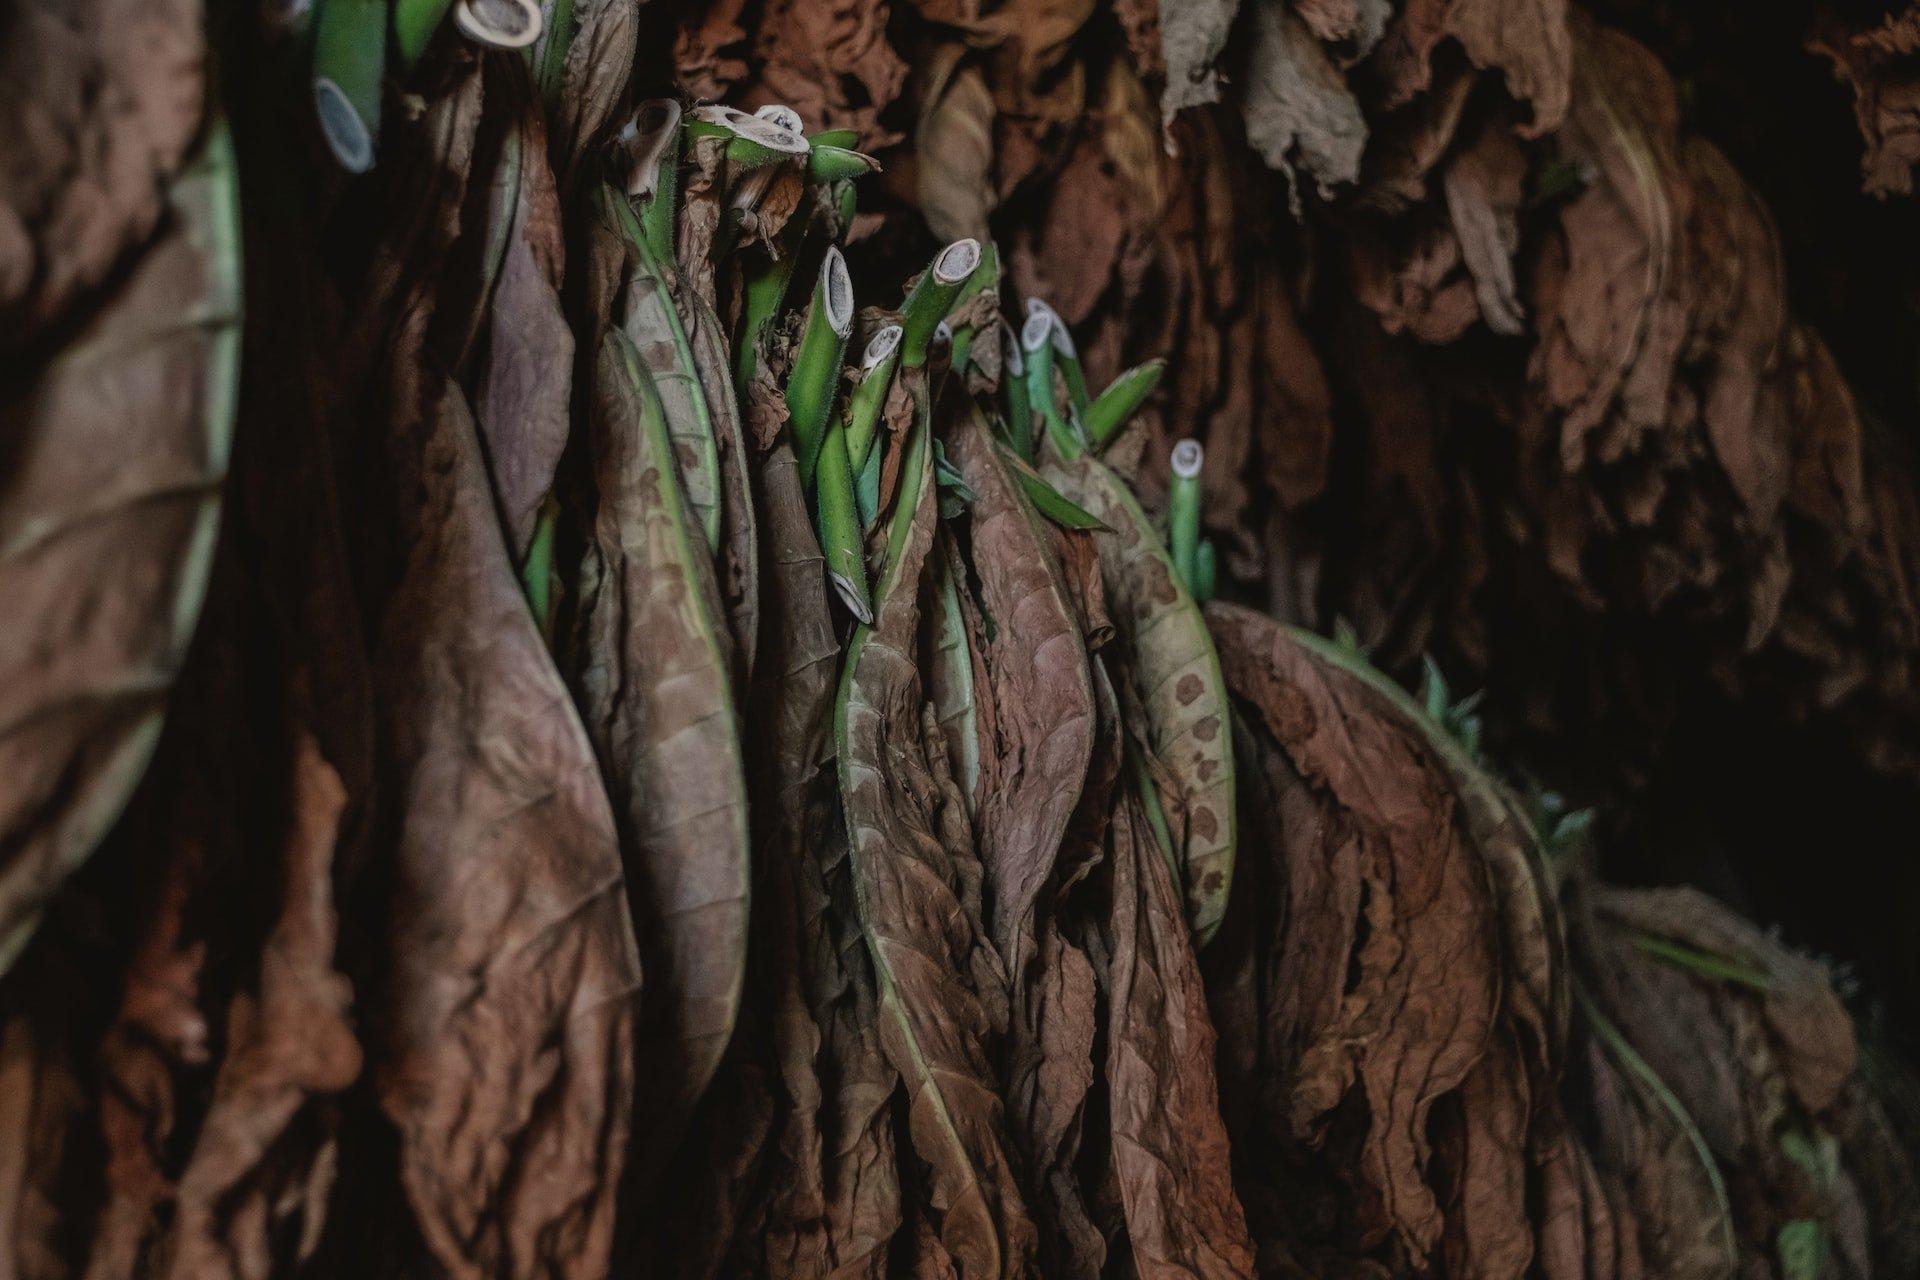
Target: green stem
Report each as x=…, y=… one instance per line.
x=1183, y=509
x=847, y=138
x=839, y=520
x=1036, y=345
x=349, y=58
x=864, y=405
x=658, y=191
x=815, y=375
x=414, y=22
x=1122, y=398
x=1019, y=404
x=933, y=296
x=1066, y=356
x=838, y=164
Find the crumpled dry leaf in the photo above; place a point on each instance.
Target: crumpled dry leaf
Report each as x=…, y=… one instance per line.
x=1170, y=1152
x=1193, y=35
x=525, y=386
x=101, y=103
x=650, y=665
x=107, y=523
x=953, y=153
x=1370, y=901
x=1882, y=66
x=1298, y=109
x=918, y=890
x=834, y=1200
x=511, y=971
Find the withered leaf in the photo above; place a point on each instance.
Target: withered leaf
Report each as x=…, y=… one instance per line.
x=1043, y=697
x=909, y=845
x=1176, y=674
x=524, y=392
x=1170, y=1150
x=511, y=970
x=737, y=558
x=1298, y=108
x=651, y=665
x=1193, y=35
x=109, y=503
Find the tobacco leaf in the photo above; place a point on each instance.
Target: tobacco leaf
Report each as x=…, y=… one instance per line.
x=1297, y=106
x=953, y=149
x=1752, y=1043
x=650, y=664
x=525, y=385
x=108, y=521
x=599, y=65
x=1193, y=36
x=1376, y=903
x=1882, y=66
x=286, y=1045
x=1176, y=674
x=834, y=1200
x=830, y=60
x=1043, y=697
x=1170, y=1150
x=651, y=321
x=101, y=106
x=918, y=891
x=1528, y=41
x=510, y=971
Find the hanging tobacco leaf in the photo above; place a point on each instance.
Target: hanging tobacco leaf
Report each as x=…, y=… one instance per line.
x=109, y=504
x=910, y=850
x=651, y=661
x=1176, y=674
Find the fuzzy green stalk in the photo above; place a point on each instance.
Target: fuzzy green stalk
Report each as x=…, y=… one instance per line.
x=846, y=138
x=766, y=289
x=1066, y=356
x=932, y=297
x=414, y=22
x=839, y=164
x=815, y=375
x=840, y=526
x=1037, y=348
x=1123, y=396
x=1019, y=407
x=864, y=404
x=349, y=58
x=550, y=55
x=658, y=123
x=1183, y=508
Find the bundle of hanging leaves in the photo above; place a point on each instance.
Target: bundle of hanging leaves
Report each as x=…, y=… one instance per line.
x=652, y=752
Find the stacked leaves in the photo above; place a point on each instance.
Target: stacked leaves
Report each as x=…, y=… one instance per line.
x=684, y=773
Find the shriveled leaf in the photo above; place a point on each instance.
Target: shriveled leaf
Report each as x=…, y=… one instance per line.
x=911, y=853
x=510, y=966
x=109, y=503
x=1298, y=109
x=652, y=323
x=651, y=669
x=1176, y=675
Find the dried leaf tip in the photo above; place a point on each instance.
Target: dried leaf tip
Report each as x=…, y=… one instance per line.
x=836, y=289
x=1187, y=458
x=499, y=24
x=880, y=346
